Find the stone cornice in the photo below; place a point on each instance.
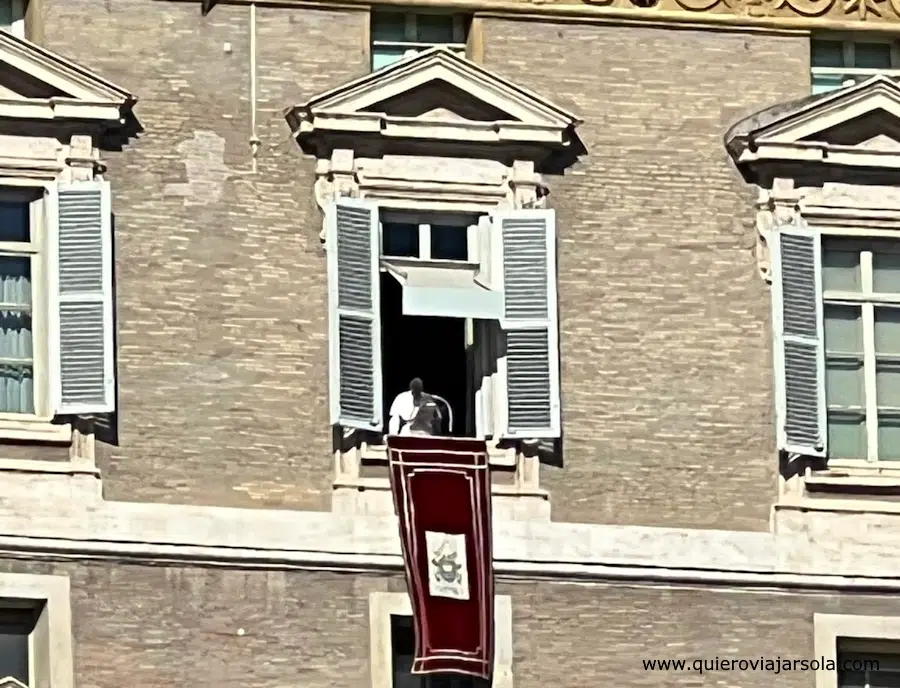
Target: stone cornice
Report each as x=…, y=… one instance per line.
x=764, y=15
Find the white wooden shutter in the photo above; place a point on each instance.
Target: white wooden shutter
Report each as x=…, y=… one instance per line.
x=801, y=416
x=82, y=360
x=354, y=314
x=527, y=242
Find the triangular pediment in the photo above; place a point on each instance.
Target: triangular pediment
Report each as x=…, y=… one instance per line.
x=864, y=117
x=435, y=86
x=36, y=83
x=10, y=682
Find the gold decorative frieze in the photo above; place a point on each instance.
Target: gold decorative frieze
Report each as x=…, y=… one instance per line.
x=792, y=15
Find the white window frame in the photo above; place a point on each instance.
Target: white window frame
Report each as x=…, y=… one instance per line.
x=37, y=426
x=867, y=300
x=868, y=631
x=50, y=643
x=411, y=41
x=17, y=28
x=384, y=605
x=848, y=43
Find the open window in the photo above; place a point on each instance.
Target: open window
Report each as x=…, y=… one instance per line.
x=466, y=303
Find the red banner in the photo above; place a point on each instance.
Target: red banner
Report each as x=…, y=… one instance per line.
x=442, y=496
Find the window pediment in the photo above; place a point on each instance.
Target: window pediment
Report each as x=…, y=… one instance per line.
x=854, y=126
x=435, y=95
x=37, y=84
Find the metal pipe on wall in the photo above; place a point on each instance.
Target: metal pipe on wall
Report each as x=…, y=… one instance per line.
x=254, y=136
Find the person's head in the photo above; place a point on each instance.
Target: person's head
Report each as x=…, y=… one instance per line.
x=416, y=387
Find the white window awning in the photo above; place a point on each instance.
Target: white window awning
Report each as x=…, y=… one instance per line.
x=444, y=288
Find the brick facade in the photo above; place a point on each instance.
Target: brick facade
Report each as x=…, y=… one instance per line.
x=221, y=277
x=164, y=625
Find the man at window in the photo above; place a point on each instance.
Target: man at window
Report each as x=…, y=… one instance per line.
x=414, y=412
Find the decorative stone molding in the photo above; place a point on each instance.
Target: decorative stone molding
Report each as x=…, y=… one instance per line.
x=856, y=15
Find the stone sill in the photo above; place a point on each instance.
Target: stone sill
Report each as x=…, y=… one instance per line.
x=497, y=457
x=855, y=506
x=844, y=479
x=384, y=485
x=55, y=467
x=33, y=429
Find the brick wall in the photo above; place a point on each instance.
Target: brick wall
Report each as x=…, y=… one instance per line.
x=221, y=282
x=665, y=324
x=140, y=625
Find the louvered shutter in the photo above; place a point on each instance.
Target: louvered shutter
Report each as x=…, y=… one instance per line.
x=799, y=342
x=354, y=314
x=527, y=242
x=82, y=359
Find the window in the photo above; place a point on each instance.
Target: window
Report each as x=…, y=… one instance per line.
x=35, y=631
x=865, y=668
x=12, y=16
x=837, y=323
x=466, y=303
x=861, y=283
x=427, y=236
x=857, y=651
x=403, y=649
x=396, y=35
x=392, y=646
x=56, y=352
x=837, y=63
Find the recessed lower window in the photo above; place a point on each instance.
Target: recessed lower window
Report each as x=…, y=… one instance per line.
x=396, y=35
x=858, y=668
x=403, y=648
x=12, y=16
x=17, y=627
x=836, y=62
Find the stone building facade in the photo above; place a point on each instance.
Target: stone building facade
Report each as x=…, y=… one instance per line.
x=693, y=437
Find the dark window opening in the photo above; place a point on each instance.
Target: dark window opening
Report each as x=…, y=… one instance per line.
x=449, y=242
x=400, y=239
x=431, y=348
x=403, y=649
x=16, y=626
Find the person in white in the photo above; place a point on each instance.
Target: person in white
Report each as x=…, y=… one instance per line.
x=414, y=412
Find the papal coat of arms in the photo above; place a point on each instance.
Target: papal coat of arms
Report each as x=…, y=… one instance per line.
x=448, y=574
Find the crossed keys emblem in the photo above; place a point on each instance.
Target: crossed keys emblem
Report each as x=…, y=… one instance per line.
x=447, y=570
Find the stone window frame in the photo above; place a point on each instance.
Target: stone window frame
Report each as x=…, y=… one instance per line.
x=384, y=605
x=51, y=642
x=828, y=629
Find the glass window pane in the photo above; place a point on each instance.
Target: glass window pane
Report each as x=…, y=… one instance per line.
x=15, y=627
x=382, y=57
x=846, y=436
x=823, y=83
x=887, y=383
x=840, y=270
x=388, y=26
x=886, y=272
x=400, y=239
x=844, y=383
x=851, y=679
x=434, y=28
x=889, y=441
x=887, y=330
x=884, y=679
x=14, y=221
x=16, y=374
x=827, y=53
x=449, y=242
x=843, y=328
x=6, y=13
x=872, y=55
